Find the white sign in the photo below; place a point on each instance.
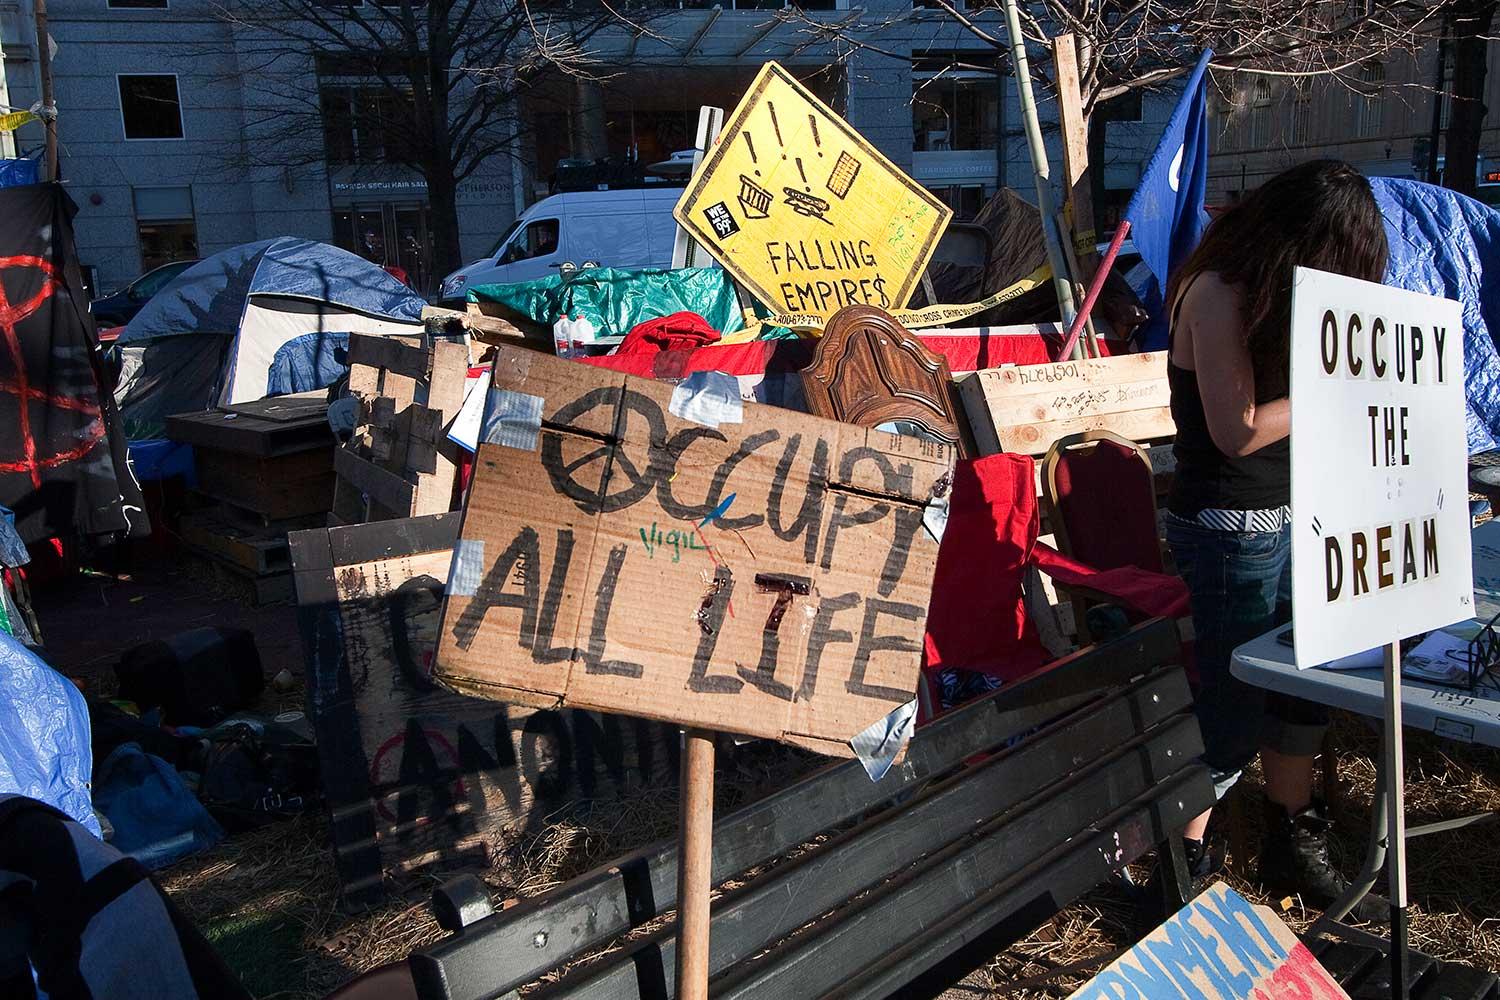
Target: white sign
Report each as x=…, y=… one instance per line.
x=1380, y=513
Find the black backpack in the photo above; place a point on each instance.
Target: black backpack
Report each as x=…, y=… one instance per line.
x=139, y=944
x=196, y=677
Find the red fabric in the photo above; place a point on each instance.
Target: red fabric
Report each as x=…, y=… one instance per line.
x=681, y=331
x=966, y=352
x=1150, y=594
x=976, y=619
x=1106, y=476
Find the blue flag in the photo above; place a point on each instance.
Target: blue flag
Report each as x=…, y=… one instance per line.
x=1166, y=212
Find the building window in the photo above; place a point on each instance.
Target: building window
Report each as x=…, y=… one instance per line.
x=1260, y=115
x=966, y=200
x=149, y=106
x=954, y=109
x=137, y=4
x=165, y=225
x=1301, y=115
x=1369, y=111
x=366, y=123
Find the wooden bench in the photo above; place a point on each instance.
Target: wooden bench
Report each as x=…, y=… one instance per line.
x=851, y=888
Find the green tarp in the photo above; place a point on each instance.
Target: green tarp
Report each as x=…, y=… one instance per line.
x=614, y=301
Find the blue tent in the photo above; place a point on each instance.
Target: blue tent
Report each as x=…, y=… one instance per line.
x=216, y=334
x=45, y=750
x=1445, y=244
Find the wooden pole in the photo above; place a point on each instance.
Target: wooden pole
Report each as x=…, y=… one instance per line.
x=1075, y=145
x=1062, y=282
x=49, y=107
x=1395, y=765
x=695, y=854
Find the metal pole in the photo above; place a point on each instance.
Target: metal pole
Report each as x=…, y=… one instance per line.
x=1061, y=279
x=49, y=106
x=1395, y=818
x=1095, y=287
x=1437, y=108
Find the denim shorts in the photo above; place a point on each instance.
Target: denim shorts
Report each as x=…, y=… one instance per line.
x=1240, y=586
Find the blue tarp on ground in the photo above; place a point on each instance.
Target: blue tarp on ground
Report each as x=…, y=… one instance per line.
x=45, y=751
x=1443, y=243
x=209, y=297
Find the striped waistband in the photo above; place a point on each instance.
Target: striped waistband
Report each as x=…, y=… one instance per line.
x=1241, y=520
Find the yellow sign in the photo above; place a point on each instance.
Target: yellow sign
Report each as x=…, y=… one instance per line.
x=804, y=212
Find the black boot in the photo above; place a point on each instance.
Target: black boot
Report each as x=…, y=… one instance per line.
x=1294, y=862
x=1205, y=861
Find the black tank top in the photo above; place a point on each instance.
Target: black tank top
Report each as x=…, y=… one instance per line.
x=1205, y=476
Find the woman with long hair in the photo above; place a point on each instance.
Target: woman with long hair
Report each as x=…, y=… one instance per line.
x=1228, y=520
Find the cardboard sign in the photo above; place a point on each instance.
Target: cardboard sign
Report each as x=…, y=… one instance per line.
x=806, y=213
x=416, y=775
x=1380, y=514
x=677, y=554
x=1218, y=947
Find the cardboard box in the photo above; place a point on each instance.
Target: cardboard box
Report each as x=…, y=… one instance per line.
x=676, y=554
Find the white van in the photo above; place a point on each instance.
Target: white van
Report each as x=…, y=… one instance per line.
x=631, y=228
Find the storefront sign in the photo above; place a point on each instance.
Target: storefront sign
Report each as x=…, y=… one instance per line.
x=1380, y=532
x=806, y=213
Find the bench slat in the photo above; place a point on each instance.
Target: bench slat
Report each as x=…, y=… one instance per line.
x=900, y=918
x=513, y=947
x=772, y=906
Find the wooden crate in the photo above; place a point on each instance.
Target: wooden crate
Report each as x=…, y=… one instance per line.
x=275, y=487
x=415, y=775
x=400, y=462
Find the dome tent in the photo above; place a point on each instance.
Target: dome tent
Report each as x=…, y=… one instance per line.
x=213, y=336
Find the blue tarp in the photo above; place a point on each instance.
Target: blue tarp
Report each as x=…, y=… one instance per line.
x=209, y=297
x=15, y=173
x=45, y=752
x=1443, y=243
x=311, y=361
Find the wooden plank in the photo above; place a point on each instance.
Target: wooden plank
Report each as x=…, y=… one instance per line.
x=258, y=552
x=504, y=951
x=1075, y=136
x=399, y=355
x=381, y=486
x=769, y=907
x=416, y=775
x=1027, y=408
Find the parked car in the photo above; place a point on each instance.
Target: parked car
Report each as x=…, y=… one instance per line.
x=118, y=308
x=629, y=228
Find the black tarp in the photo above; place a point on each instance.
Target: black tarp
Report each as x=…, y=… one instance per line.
x=63, y=467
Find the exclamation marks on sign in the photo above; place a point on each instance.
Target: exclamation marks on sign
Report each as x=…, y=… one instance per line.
x=750, y=144
x=803, y=174
x=776, y=124
x=812, y=120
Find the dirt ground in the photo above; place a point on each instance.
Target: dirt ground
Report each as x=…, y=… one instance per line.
x=267, y=899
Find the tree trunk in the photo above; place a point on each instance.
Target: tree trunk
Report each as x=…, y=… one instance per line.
x=442, y=219
x=1471, y=26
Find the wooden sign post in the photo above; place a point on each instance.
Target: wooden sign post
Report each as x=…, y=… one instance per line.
x=1380, y=523
x=673, y=553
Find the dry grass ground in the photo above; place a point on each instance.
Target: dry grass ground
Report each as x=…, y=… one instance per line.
x=268, y=899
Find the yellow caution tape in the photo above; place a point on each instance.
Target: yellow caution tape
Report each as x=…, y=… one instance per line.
x=912, y=319
x=14, y=120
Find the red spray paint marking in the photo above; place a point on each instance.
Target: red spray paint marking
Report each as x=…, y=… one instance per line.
x=20, y=386
x=376, y=766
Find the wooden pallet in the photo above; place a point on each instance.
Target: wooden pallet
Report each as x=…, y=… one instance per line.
x=400, y=462
x=256, y=549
